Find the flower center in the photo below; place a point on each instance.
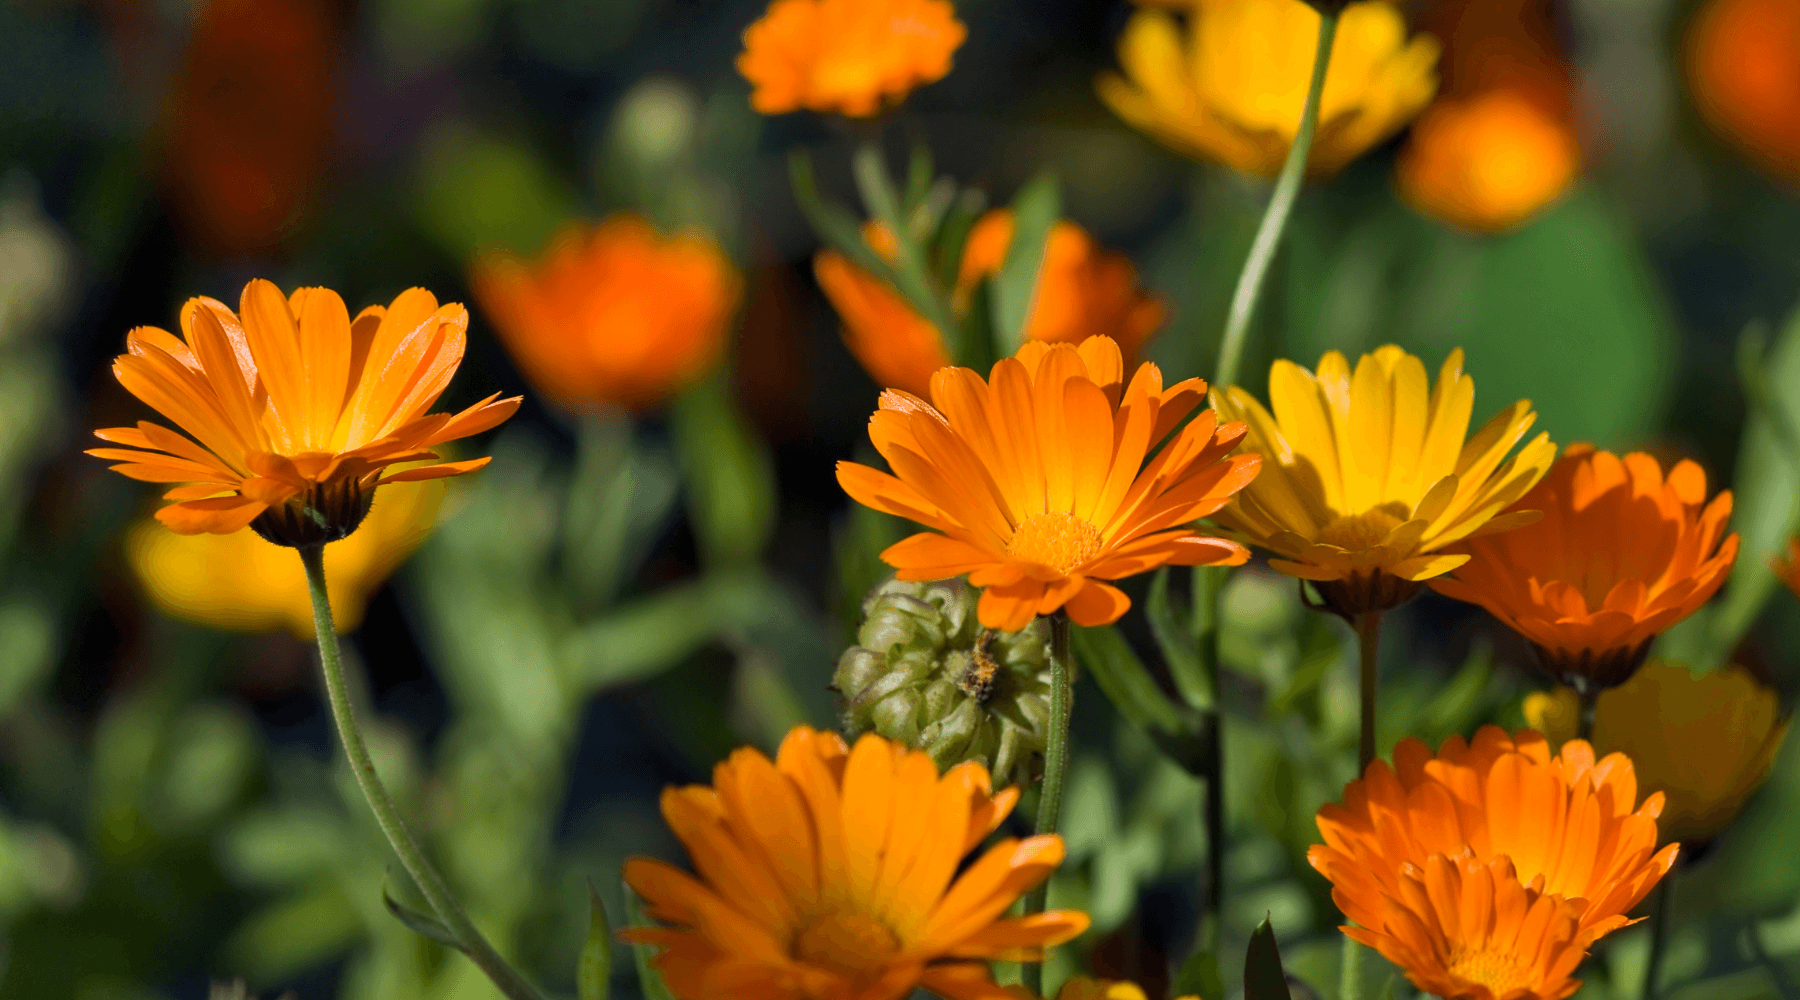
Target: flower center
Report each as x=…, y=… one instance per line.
x=1501, y=972
x=1360, y=532
x=853, y=945
x=1060, y=541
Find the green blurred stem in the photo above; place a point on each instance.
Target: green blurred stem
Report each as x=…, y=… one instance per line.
x=1368, y=643
x=1208, y=586
x=430, y=883
x=1056, y=765
x=1274, y=220
x=1659, y=932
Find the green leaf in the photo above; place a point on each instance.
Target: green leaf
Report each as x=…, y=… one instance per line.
x=975, y=335
x=593, y=971
x=1263, y=975
x=1121, y=675
x=730, y=480
x=953, y=235
x=1174, y=634
x=418, y=921
x=918, y=180
x=650, y=981
x=643, y=638
x=1199, y=977
x=911, y=278
x=1035, y=210
x=833, y=224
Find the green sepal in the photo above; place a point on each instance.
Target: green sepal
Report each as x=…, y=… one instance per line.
x=593, y=970
x=1263, y=975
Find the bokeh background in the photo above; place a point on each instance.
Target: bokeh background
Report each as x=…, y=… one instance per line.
x=614, y=604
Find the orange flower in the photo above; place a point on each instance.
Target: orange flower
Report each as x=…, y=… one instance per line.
x=1565, y=823
x=297, y=409
x=1620, y=555
x=1037, y=480
x=831, y=874
x=1488, y=162
x=1468, y=929
x=1741, y=56
x=611, y=314
x=1083, y=290
x=854, y=57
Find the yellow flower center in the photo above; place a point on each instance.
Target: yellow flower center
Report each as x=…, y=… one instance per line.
x=1060, y=541
x=853, y=945
x=1360, y=532
x=1500, y=971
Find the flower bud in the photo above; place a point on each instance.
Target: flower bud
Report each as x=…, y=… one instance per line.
x=924, y=672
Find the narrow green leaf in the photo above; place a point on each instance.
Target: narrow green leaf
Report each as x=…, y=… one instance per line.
x=975, y=338
x=953, y=235
x=1199, y=977
x=419, y=922
x=1263, y=975
x=1121, y=675
x=833, y=224
x=593, y=970
x=650, y=981
x=910, y=275
x=1174, y=635
x=918, y=179
x=1035, y=210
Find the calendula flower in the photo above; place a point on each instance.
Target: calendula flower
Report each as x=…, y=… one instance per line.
x=1367, y=477
x=1083, y=290
x=295, y=411
x=612, y=314
x=1569, y=825
x=242, y=583
x=1036, y=481
x=831, y=873
x=1705, y=742
x=1741, y=56
x=1464, y=929
x=852, y=57
x=1620, y=555
x=1232, y=90
x=1488, y=162
x=1086, y=988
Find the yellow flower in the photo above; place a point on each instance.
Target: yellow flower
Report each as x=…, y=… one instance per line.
x=1488, y=162
x=1085, y=988
x=1367, y=477
x=242, y=583
x=1233, y=90
x=1705, y=742
x=854, y=57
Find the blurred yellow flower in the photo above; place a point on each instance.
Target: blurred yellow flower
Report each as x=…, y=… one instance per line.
x=1488, y=162
x=242, y=583
x=1234, y=88
x=853, y=57
x=1705, y=742
x=1367, y=477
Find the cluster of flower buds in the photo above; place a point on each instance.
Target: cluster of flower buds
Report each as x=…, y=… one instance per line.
x=925, y=673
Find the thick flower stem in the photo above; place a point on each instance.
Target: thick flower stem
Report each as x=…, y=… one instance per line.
x=1274, y=220
x=1056, y=765
x=1368, y=643
x=426, y=877
x=1659, y=932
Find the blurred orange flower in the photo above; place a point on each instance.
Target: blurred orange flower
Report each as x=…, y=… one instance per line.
x=242, y=583
x=251, y=118
x=832, y=872
x=1083, y=290
x=1487, y=162
x=1620, y=555
x=298, y=411
x=1566, y=823
x=1038, y=482
x=1469, y=929
x=612, y=314
x=853, y=57
x=1741, y=59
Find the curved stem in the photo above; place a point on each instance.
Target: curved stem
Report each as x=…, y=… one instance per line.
x=1659, y=932
x=1274, y=220
x=1056, y=765
x=426, y=877
x=1368, y=642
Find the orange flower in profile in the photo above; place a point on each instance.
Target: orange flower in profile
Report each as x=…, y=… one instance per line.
x=1565, y=823
x=1469, y=930
x=1741, y=56
x=296, y=409
x=831, y=873
x=1083, y=290
x=611, y=314
x=1620, y=555
x=1036, y=484
x=1488, y=162
x=852, y=57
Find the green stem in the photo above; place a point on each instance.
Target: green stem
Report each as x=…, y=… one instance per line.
x=1350, y=971
x=1659, y=930
x=1056, y=765
x=1274, y=220
x=1368, y=642
x=426, y=877
x=1209, y=586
